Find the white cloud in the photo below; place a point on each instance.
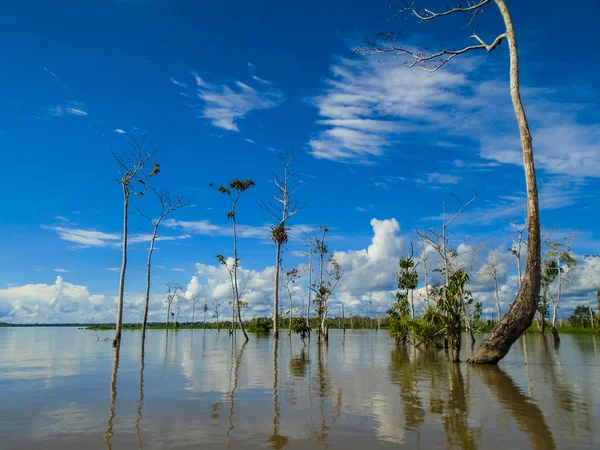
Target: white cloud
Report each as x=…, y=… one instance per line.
x=441, y=178
x=93, y=238
x=113, y=269
x=178, y=269
x=178, y=83
x=260, y=80
x=250, y=141
x=361, y=209
x=368, y=107
x=62, y=270
x=225, y=105
x=119, y=131
x=64, y=110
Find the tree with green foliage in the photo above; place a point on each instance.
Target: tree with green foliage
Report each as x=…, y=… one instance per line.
x=234, y=191
x=450, y=307
x=300, y=327
x=581, y=316
x=408, y=279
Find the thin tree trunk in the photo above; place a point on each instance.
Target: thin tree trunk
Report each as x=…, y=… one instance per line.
x=519, y=265
x=291, y=312
x=520, y=315
x=193, y=312
x=412, y=305
x=310, y=264
x=119, y=325
x=148, y=267
x=276, y=293
x=426, y=283
x=557, y=302
x=497, y=297
x=237, y=293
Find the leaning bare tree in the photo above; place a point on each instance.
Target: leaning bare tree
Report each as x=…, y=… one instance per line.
x=281, y=208
x=520, y=316
x=234, y=191
x=131, y=165
x=167, y=206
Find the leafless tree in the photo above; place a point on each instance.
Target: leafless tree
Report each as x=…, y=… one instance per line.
x=167, y=206
x=520, y=316
x=310, y=241
x=491, y=270
x=281, y=208
x=517, y=246
x=194, y=301
x=216, y=306
x=438, y=240
x=174, y=292
x=234, y=191
x=292, y=277
x=131, y=166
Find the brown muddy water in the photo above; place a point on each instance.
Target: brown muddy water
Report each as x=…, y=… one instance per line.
x=63, y=388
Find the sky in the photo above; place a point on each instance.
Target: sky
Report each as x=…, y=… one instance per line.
x=381, y=149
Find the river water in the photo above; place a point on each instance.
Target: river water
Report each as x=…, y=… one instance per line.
x=68, y=388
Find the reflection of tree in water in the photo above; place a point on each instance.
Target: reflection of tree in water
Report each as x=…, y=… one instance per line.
x=448, y=394
x=528, y=416
x=233, y=383
x=138, y=420
x=456, y=423
x=405, y=374
x=299, y=364
x=276, y=440
x=324, y=389
x=108, y=434
x=567, y=399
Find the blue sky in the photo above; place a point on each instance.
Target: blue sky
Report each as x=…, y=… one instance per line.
x=223, y=87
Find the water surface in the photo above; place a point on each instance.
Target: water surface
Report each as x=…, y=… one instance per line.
x=68, y=388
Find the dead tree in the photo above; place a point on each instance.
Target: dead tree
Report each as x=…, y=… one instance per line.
x=491, y=270
x=281, y=208
x=520, y=316
x=234, y=191
x=167, y=206
x=517, y=246
x=131, y=166
x=292, y=277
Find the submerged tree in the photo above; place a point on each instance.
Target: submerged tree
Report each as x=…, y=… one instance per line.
x=451, y=309
x=132, y=165
x=520, y=316
x=564, y=263
x=408, y=279
x=491, y=270
x=234, y=191
x=167, y=206
x=281, y=208
x=292, y=277
x=330, y=273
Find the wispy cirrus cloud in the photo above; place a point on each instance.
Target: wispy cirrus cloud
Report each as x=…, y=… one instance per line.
x=68, y=109
x=84, y=238
x=368, y=108
x=120, y=131
x=224, y=105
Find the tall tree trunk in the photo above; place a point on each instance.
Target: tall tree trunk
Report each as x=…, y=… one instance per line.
x=119, y=325
x=310, y=264
x=148, y=269
x=520, y=315
x=557, y=302
x=276, y=293
x=497, y=298
x=426, y=283
x=412, y=305
x=291, y=312
x=235, y=281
